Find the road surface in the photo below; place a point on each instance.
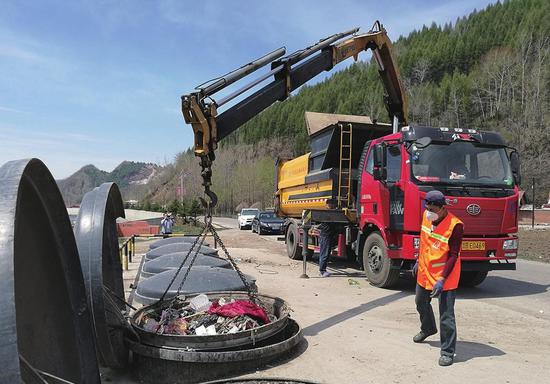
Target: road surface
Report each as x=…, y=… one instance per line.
x=360, y=334
x=356, y=333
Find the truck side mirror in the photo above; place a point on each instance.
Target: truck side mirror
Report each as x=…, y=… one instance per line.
x=515, y=165
x=380, y=161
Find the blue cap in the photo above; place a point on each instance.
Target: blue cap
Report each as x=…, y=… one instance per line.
x=435, y=197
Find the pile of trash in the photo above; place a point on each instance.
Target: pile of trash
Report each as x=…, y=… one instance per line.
x=201, y=317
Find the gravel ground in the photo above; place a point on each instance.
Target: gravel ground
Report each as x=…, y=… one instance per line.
x=356, y=333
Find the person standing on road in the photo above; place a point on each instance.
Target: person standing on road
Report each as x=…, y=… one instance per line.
x=326, y=235
x=437, y=273
x=166, y=225
x=325, y=247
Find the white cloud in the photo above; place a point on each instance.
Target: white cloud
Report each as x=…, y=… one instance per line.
x=18, y=53
x=8, y=109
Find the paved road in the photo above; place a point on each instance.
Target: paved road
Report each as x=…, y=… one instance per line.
x=226, y=222
x=526, y=290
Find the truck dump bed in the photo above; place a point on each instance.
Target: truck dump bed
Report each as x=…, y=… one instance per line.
x=330, y=170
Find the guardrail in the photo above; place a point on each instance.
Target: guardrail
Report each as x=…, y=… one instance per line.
x=126, y=250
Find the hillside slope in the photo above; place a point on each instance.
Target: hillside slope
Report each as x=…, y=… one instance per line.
x=132, y=178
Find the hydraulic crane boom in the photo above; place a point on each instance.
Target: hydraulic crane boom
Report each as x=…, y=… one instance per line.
x=290, y=72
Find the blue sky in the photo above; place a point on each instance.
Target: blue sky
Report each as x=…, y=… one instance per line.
x=99, y=81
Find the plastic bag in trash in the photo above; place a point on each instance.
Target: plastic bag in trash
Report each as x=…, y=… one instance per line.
x=200, y=303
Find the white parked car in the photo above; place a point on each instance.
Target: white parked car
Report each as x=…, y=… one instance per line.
x=246, y=216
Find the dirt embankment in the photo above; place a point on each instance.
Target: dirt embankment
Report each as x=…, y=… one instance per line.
x=534, y=244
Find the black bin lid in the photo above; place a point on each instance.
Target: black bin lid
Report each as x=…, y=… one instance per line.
x=199, y=280
x=173, y=261
x=45, y=321
x=178, y=247
x=174, y=240
x=97, y=240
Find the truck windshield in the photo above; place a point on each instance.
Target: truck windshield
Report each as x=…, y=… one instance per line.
x=462, y=163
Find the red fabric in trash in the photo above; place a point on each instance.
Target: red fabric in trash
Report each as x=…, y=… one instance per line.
x=237, y=308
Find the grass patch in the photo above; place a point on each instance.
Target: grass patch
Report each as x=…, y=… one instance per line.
x=188, y=229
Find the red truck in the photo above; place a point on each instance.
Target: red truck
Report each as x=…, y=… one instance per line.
x=378, y=223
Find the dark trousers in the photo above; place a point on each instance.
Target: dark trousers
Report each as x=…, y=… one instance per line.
x=324, y=249
x=447, y=321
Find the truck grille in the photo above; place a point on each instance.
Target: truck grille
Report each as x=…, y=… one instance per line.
x=486, y=223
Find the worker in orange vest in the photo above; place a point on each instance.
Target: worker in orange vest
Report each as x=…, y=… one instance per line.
x=437, y=273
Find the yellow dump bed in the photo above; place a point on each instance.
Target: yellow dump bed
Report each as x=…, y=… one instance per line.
x=295, y=194
x=330, y=170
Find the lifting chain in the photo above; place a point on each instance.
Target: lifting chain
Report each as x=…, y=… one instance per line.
x=251, y=292
x=206, y=173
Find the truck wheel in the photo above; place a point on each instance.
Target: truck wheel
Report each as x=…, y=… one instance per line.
x=377, y=264
x=292, y=247
x=472, y=278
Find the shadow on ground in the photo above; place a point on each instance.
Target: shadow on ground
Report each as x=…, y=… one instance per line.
x=468, y=350
x=320, y=326
x=498, y=286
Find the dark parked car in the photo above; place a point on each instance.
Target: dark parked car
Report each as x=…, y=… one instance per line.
x=267, y=222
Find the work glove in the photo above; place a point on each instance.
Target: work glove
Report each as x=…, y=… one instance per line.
x=415, y=269
x=438, y=288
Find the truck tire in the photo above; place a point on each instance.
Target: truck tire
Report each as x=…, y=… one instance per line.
x=292, y=242
x=377, y=264
x=472, y=278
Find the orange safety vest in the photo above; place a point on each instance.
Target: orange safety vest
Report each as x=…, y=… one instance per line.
x=434, y=251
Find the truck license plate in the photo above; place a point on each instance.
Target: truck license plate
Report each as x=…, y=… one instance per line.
x=473, y=245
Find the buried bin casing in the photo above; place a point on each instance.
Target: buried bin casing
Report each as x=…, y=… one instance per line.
x=199, y=280
x=170, y=365
x=45, y=317
x=172, y=261
x=97, y=241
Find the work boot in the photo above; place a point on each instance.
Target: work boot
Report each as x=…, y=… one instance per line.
x=445, y=361
x=421, y=336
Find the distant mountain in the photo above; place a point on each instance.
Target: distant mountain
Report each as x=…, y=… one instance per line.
x=132, y=178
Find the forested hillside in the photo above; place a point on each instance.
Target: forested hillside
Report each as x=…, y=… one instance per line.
x=489, y=70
